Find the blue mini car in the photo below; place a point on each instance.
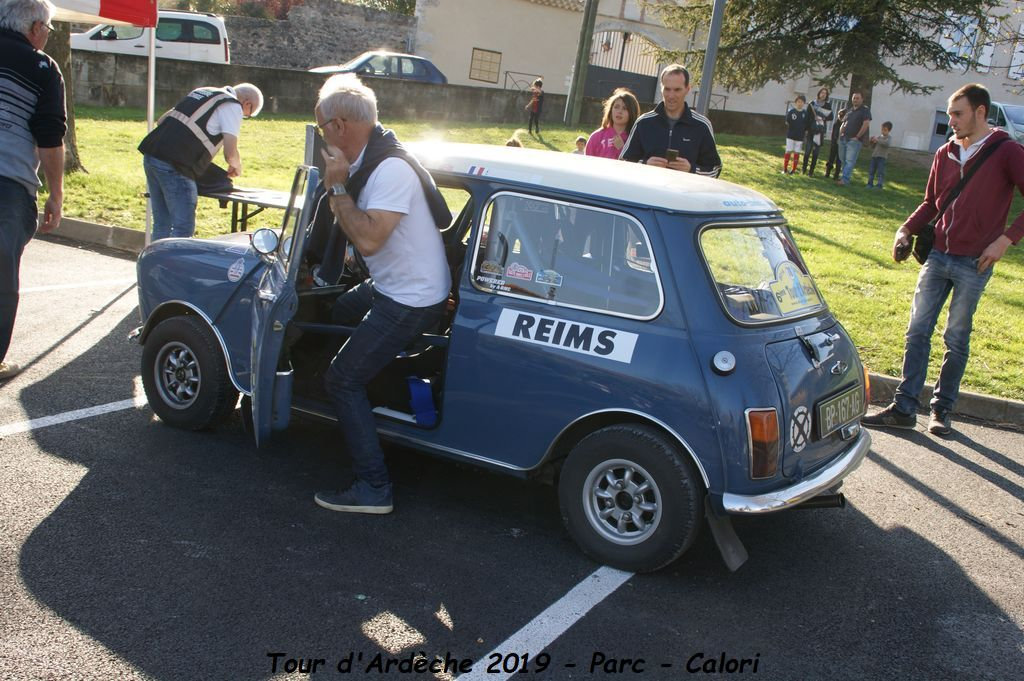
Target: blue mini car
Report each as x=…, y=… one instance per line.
x=650, y=340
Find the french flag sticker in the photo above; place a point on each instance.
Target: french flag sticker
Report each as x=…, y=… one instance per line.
x=477, y=170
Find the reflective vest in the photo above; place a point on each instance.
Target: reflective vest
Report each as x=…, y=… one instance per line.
x=181, y=138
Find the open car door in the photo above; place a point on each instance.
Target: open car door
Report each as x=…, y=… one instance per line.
x=275, y=304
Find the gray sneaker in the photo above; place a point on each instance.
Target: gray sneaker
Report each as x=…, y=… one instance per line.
x=891, y=417
x=939, y=422
x=8, y=370
x=359, y=498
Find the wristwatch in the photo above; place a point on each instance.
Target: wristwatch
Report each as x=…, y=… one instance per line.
x=337, y=190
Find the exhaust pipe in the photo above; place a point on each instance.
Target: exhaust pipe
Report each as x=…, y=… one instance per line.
x=824, y=501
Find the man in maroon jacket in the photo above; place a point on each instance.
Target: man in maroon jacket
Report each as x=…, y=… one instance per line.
x=970, y=237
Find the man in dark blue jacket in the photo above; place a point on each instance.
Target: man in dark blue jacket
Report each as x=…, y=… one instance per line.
x=673, y=135
x=32, y=127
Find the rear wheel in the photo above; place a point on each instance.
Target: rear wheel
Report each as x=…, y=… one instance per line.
x=185, y=375
x=629, y=499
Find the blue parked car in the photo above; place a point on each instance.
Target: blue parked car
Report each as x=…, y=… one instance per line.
x=650, y=340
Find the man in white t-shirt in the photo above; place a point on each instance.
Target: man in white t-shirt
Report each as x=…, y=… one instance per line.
x=182, y=146
x=389, y=209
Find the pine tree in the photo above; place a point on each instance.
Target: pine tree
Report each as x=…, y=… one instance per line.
x=863, y=42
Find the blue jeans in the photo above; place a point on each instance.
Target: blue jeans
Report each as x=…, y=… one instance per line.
x=173, y=197
x=386, y=329
x=849, y=151
x=940, y=274
x=876, y=170
x=18, y=219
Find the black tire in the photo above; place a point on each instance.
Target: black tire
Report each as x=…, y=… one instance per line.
x=185, y=375
x=658, y=483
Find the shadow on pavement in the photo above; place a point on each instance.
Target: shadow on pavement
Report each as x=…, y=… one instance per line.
x=193, y=555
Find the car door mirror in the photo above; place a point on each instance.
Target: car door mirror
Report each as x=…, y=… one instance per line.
x=265, y=241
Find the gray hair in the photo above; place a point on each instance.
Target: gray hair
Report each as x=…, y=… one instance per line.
x=19, y=15
x=675, y=68
x=247, y=92
x=345, y=96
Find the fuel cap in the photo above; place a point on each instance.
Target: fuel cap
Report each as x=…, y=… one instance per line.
x=723, y=363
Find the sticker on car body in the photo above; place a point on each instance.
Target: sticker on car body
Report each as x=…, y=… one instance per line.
x=236, y=270
x=800, y=429
x=587, y=339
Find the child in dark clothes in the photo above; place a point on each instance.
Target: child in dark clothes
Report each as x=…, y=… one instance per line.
x=797, y=121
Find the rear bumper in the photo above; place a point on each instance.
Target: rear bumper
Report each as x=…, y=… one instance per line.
x=811, y=486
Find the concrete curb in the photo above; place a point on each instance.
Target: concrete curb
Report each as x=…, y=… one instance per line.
x=1002, y=411
x=993, y=409
x=118, y=238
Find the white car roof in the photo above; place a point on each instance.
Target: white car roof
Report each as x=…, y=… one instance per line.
x=633, y=183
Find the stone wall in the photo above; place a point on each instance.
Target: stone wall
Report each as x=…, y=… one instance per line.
x=318, y=33
x=120, y=80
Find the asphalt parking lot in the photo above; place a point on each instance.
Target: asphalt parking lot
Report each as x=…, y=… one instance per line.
x=134, y=551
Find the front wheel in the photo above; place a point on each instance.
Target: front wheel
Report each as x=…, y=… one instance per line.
x=629, y=499
x=185, y=375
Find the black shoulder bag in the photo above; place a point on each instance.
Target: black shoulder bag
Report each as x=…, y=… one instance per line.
x=926, y=237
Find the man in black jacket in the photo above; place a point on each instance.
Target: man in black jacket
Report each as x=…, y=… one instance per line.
x=673, y=135
x=182, y=146
x=32, y=127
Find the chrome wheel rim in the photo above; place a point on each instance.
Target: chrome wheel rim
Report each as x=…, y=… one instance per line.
x=177, y=374
x=622, y=502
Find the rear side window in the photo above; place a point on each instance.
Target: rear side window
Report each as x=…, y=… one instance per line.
x=187, y=31
x=758, y=272
x=205, y=33
x=413, y=68
x=170, y=30
x=566, y=254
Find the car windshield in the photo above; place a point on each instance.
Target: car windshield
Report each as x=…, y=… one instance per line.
x=353, y=63
x=759, y=273
x=1015, y=114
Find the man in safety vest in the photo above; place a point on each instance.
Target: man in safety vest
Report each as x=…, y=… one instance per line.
x=182, y=146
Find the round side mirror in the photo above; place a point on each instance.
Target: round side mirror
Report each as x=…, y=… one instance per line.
x=265, y=241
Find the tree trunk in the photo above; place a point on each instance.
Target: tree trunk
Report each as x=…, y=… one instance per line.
x=863, y=85
x=59, y=47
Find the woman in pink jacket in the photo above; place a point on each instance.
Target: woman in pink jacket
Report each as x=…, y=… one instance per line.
x=620, y=112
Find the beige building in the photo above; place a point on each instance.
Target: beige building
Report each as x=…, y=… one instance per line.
x=508, y=43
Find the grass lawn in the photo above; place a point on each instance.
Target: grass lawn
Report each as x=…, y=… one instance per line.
x=845, y=233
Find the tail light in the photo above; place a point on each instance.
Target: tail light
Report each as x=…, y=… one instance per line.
x=867, y=387
x=763, y=432
x=227, y=54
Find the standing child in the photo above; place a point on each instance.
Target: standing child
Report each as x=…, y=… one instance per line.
x=879, y=154
x=536, y=105
x=797, y=121
x=581, y=145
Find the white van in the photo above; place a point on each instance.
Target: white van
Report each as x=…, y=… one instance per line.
x=179, y=35
x=1009, y=117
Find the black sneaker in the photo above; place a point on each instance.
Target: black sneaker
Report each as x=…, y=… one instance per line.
x=939, y=422
x=891, y=417
x=359, y=498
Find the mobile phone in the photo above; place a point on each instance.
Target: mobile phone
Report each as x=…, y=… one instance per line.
x=671, y=154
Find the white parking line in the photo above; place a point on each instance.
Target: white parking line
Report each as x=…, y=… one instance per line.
x=89, y=284
x=77, y=414
x=553, y=622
